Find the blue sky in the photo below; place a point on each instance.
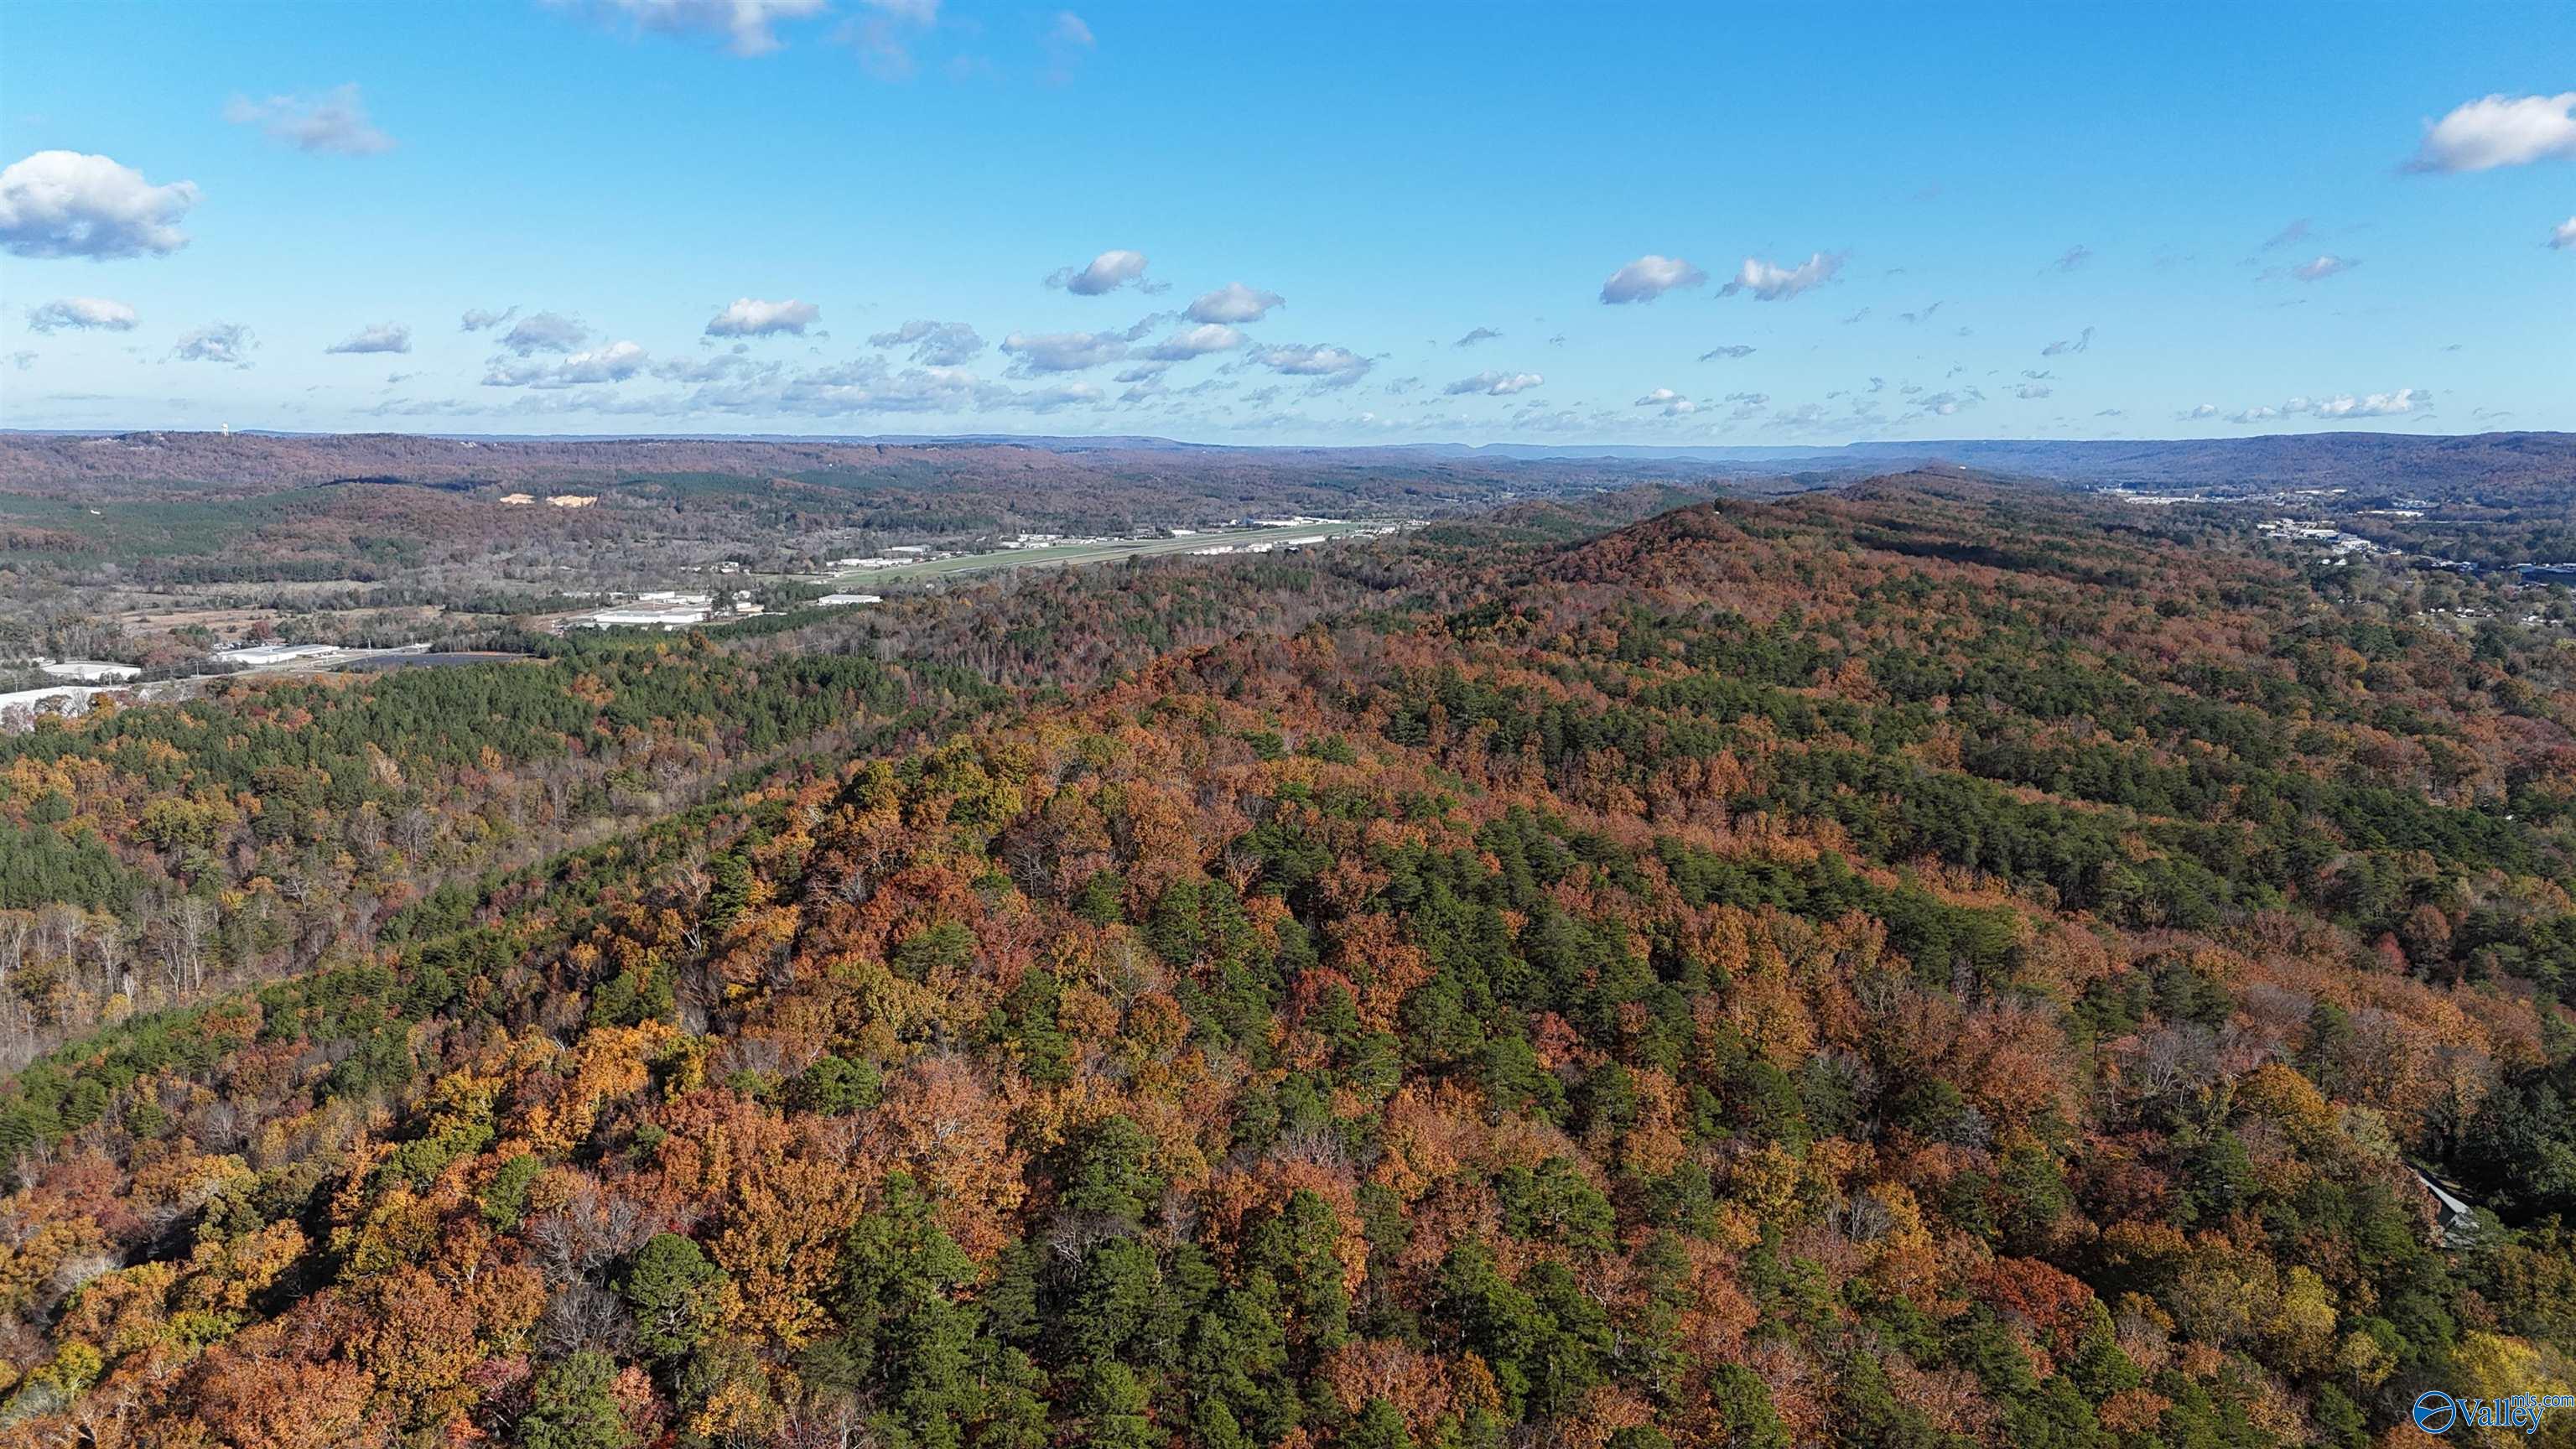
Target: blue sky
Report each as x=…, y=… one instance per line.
x=2133, y=221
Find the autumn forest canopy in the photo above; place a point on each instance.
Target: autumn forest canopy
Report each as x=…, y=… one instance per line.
x=1927, y=963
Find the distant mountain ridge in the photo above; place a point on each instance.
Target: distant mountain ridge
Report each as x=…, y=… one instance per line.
x=2278, y=457
x=35, y=461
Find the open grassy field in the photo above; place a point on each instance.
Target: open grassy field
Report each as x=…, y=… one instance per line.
x=1105, y=551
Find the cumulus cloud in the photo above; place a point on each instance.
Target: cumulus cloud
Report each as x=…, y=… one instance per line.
x=1494, y=384
x=1330, y=366
x=750, y=317
x=544, y=332
x=2078, y=343
x=69, y=204
x=1730, y=352
x=224, y=342
x=2323, y=267
x=935, y=344
x=747, y=27
x=1649, y=277
x=381, y=337
x=334, y=122
x=866, y=386
x=1670, y=403
x=1197, y=341
x=2498, y=131
x=1106, y=272
x=1233, y=302
x=2563, y=236
x=2403, y=402
x=82, y=314
x=1770, y=282
x=1061, y=395
x=1944, y=404
x=2029, y=390
x=1064, y=351
x=1480, y=334
x=616, y=362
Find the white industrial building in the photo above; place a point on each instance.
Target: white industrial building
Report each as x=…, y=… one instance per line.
x=262, y=655
x=88, y=671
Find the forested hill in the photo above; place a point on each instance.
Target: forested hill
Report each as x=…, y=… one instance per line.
x=1928, y=967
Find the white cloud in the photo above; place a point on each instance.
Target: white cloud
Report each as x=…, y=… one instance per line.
x=2403, y=402
x=477, y=319
x=748, y=26
x=546, y=332
x=68, y=204
x=382, y=337
x=616, y=362
x=1332, y=366
x=2323, y=267
x=334, y=121
x=225, y=342
x=735, y=362
x=1771, y=282
x=2499, y=131
x=1729, y=352
x=938, y=344
x=1649, y=277
x=81, y=314
x=1946, y=404
x=2030, y=390
x=1197, y=341
x=750, y=317
x=1494, y=384
x=1106, y=272
x=1667, y=401
x=1234, y=302
x=1062, y=395
x=1064, y=351
x=2563, y=236
x=864, y=386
